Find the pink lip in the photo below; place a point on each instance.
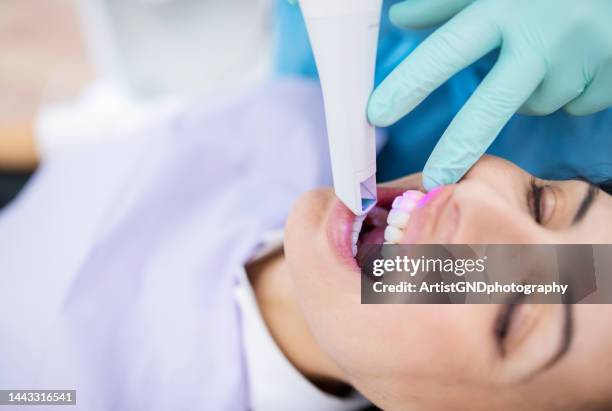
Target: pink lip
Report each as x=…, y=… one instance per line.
x=340, y=223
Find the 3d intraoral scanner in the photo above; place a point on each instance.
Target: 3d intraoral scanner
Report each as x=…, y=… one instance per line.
x=344, y=39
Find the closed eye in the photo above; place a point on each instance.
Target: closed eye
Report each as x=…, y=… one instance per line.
x=504, y=321
x=535, y=200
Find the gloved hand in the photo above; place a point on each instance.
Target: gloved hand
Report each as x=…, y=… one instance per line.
x=554, y=54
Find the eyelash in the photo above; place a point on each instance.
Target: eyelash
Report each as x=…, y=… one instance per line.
x=505, y=318
x=535, y=194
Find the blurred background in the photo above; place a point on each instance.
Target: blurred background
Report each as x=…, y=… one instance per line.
x=41, y=48
x=76, y=72
x=39, y=41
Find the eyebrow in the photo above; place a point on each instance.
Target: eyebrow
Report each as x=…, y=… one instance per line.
x=585, y=205
x=567, y=336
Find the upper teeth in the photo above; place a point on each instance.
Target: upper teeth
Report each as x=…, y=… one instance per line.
x=397, y=220
x=400, y=215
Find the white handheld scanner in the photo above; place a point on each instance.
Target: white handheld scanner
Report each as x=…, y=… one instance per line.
x=344, y=39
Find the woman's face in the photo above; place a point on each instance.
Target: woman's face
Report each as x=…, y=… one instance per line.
x=434, y=357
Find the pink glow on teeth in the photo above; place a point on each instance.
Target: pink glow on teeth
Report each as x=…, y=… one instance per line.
x=413, y=195
x=429, y=197
x=397, y=202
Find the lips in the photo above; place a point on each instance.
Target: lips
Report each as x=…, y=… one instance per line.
x=429, y=223
x=340, y=223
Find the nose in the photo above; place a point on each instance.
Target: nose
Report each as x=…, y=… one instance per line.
x=494, y=168
x=500, y=176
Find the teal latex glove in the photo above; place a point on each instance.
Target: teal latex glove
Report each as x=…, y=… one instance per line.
x=554, y=54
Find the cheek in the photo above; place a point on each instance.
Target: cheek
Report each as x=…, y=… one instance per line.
x=376, y=346
x=412, y=349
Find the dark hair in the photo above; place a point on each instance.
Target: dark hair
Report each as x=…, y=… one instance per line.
x=606, y=186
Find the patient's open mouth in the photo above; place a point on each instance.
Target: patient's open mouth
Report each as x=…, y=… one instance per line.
x=346, y=233
x=386, y=222
x=370, y=228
